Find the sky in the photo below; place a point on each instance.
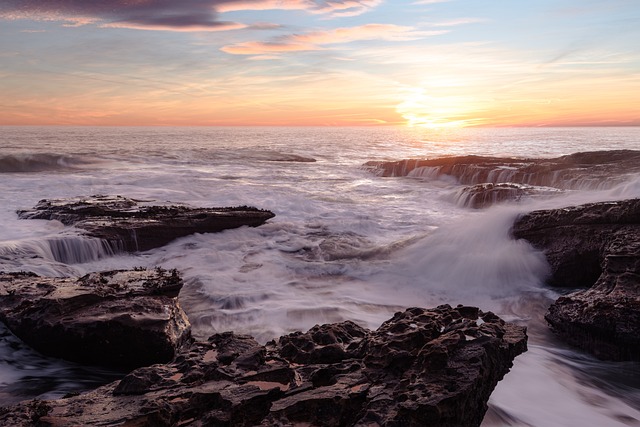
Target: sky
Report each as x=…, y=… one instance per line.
x=432, y=63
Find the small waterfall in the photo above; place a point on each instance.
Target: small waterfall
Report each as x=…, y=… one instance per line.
x=580, y=171
x=66, y=249
x=488, y=194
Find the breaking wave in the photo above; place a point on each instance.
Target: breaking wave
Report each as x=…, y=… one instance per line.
x=40, y=162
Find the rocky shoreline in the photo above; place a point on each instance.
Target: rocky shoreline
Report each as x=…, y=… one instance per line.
x=433, y=366
x=594, y=246
x=422, y=367
x=491, y=180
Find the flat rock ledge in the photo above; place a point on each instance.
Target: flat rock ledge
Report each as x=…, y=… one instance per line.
x=423, y=367
x=594, y=246
x=129, y=226
x=491, y=180
x=122, y=319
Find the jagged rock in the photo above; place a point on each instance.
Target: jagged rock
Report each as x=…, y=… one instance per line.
x=423, y=367
x=116, y=318
x=131, y=227
x=597, y=169
x=594, y=246
x=484, y=195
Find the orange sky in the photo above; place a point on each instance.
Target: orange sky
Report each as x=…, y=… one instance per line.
x=431, y=63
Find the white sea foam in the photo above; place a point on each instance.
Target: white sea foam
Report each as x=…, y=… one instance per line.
x=345, y=244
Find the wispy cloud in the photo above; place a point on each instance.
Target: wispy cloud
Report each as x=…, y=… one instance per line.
x=337, y=8
x=167, y=15
x=185, y=15
x=456, y=22
x=430, y=1
x=316, y=40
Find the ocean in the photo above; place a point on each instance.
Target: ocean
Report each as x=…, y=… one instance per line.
x=345, y=244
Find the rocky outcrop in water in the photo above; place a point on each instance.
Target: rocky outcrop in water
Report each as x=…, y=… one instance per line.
x=484, y=195
x=130, y=226
x=423, y=367
x=116, y=318
x=596, y=169
x=595, y=246
x=514, y=178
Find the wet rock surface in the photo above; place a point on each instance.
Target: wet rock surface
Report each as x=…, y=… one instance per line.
x=484, y=195
x=116, y=318
x=495, y=179
x=594, y=246
x=131, y=226
x=432, y=367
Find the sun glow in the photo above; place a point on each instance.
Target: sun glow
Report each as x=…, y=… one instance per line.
x=437, y=111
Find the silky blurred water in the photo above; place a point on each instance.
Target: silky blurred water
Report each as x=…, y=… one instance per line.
x=345, y=244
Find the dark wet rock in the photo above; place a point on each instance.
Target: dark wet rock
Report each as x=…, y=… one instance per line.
x=484, y=195
x=597, y=169
x=595, y=246
x=116, y=318
x=433, y=367
x=131, y=226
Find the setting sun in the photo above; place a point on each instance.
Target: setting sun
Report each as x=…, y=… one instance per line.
x=422, y=63
x=420, y=109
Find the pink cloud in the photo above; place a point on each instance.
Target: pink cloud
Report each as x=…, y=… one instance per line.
x=335, y=8
x=316, y=39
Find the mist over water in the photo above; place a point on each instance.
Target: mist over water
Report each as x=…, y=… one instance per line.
x=345, y=243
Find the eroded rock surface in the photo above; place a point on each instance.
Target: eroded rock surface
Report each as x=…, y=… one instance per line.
x=595, y=246
x=597, y=169
x=484, y=195
x=130, y=226
x=423, y=367
x=116, y=318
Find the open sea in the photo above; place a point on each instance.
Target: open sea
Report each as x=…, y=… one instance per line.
x=345, y=244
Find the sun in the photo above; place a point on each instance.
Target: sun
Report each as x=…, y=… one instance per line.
x=436, y=111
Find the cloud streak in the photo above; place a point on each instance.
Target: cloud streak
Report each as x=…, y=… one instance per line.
x=336, y=8
x=316, y=40
x=185, y=15
x=167, y=15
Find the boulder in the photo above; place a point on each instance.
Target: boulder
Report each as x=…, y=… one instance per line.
x=594, y=246
x=432, y=367
x=130, y=226
x=116, y=318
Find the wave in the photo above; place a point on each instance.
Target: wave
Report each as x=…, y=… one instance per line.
x=595, y=170
x=40, y=162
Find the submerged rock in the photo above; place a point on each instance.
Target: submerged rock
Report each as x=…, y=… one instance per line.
x=129, y=226
x=595, y=246
x=116, y=318
x=587, y=170
x=423, y=367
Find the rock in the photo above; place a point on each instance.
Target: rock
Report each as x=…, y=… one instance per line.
x=484, y=195
x=597, y=169
x=131, y=227
x=595, y=246
x=432, y=367
x=116, y=318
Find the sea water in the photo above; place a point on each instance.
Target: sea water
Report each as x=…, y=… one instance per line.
x=345, y=244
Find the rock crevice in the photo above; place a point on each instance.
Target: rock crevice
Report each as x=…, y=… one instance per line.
x=432, y=367
x=594, y=246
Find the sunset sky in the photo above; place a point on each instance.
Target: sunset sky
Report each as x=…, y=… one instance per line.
x=432, y=63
